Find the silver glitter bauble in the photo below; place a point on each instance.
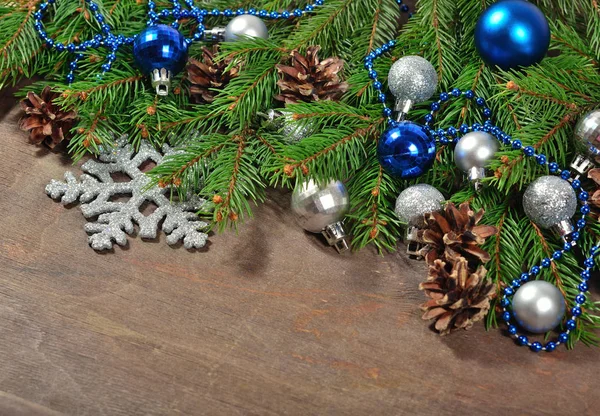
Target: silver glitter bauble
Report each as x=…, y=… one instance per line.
x=245, y=25
x=549, y=200
x=587, y=133
x=416, y=201
x=412, y=79
x=538, y=306
x=293, y=131
x=316, y=206
x=475, y=150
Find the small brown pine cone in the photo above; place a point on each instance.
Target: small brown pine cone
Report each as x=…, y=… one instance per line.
x=207, y=76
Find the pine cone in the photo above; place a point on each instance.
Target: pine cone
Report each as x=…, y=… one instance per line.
x=309, y=79
x=207, y=74
x=594, y=174
x=454, y=233
x=458, y=298
x=44, y=120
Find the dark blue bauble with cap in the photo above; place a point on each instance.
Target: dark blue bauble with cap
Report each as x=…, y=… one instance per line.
x=160, y=47
x=512, y=34
x=406, y=150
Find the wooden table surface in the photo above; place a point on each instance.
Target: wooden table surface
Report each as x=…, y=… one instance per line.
x=266, y=322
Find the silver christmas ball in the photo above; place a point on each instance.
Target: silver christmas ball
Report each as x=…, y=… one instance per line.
x=316, y=206
x=416, y=201
x=412, y=78
x=538, y=306
x=549, y=200
x=587, y=133
x=292, y=130
x=475, y=150
x=245, y=25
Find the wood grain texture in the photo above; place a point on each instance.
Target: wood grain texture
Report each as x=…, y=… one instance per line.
x=268, y=322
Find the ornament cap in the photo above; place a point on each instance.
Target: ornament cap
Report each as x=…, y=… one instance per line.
x=563, y=229
x=475, y=175
x=415, y=246
x=336, y=236
x=161, y=80
x=581, y=165
x=216, y=34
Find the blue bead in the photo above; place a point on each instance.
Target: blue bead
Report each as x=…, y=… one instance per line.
x=60, y=47
x=557, y=255
x=372, y=74
x=93, y=7
x=71, y=47
x=563, y=337
x=456, y=92
x=285, y=14
x=469, y=94
x=378, y=51
x=298, y=13
x=550, y=346
x=512, y=33
x=553, y=166
x=406, y=150
x=522, y=340
x=524, y=277
x=565, y=174
x=309, y=8
x=575, y=236
x=536, y=347
x=576, y=184
x=49, y=43
x=583, y=286
x=228, y=12
x=535, y=270
x=159, y=47
x=105, y=67
x=452, y=131
x=589, y=263
x=516, y=144
x=585, y=274
x=215, y=12
x=480, y=101
x=428, y=118
x=73, y=65
x=571, y=324
x=476, y=127
x=541, y=159
x=508, y=291
x=99, y=18
x=512, y=329
x=319, y=2
x=274, y=15
x=444, y=140
x=546, y=262
x=487, y=112
x=151, y=4
x=404, y=8
x=581, y=223
x=392, y=43
x=576, y=311
x=70, y=78
x=381, y=98
x=444, y=96
x=506, y=316
x=505, y=302
x=385, y=47
x=377, y=85
x=368, y=65
x=387, y=112
x=583, y=195
x=464, y=128
x=516, y=283
x=435, y=106
x=529, y=151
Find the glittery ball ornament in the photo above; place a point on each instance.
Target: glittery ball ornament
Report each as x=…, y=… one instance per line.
x=416, y=201
x=549, y=200
x=317, y=206
x=411, y=80
x=161, y=52
x=405, y=150
x=587, y=133
x=511, y=34
x=245, y=25
x=538, y=306
x=292, y=130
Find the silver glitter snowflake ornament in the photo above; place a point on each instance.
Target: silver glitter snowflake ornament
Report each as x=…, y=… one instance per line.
x=96, y=187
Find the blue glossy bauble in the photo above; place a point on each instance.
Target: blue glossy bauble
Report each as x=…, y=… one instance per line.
x=512, y=33
x=158, y=47
x=406, y=150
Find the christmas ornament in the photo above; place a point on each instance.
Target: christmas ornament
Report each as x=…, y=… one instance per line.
x=550, y=202
x=245, y=25
x=411, y=80
x=45, y=121
x=406, y=150
x=208, y=75
x=538, y=306
x=459, y=297
x=587, y=142
x=455, y=233
x=321, y=209
x=161, y=52
x=309, y=79
x=511, y=34
x=292, y=130
x=116, y=219
x=411, y=206
x=473, y=152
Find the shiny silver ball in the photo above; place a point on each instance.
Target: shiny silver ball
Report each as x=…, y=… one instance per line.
x=245, y=25
x=293, y=130
x=587, y=133
x=538, y=306
x=475, y=150
x=416, y=201
x=316, y=206
x=549, y=200
x=412, y=78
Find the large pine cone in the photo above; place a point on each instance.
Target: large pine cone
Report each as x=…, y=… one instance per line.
x=453, y=233
x=458, y=297
x=207, y=75
x=45, y=121
x=308, y=79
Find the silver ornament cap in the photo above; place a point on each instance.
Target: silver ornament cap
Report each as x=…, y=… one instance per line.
x=321, y=209
x=587, y=133
x=538, y=306
x=550, y=201
x=245, y=25
x=473, y=152
x=416, y=201
x=411, y=79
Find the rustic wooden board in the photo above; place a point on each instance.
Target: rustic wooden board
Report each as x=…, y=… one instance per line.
x=267, y=322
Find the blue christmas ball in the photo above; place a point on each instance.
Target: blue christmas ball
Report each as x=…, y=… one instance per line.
x=406, y=150
x=512, y=33
x=158, y=47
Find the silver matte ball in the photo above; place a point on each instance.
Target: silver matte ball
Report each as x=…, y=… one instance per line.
x=316, y=206
x=475, y=150
x=587, y=133
x=412, y=78
x=538, y=306
x=245, y=25
x=549, y=200
x=416, y=201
